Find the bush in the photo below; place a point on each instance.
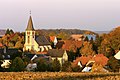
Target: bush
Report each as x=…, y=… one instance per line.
x=42, y=65
x=66, y=67
x=56, y=65
x=17, y=65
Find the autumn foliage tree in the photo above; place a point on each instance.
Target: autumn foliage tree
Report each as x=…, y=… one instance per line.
x=87, y=49
x=110, y=42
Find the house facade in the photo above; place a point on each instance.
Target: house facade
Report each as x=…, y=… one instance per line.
x=60, y=54
x=35, y=42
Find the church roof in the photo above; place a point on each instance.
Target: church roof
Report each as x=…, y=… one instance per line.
x=30, y=24
x=42, y=40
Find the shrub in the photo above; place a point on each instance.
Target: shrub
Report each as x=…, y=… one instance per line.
x=42, y=65
x=17, y=65
x=56, y=65
x=67, y=66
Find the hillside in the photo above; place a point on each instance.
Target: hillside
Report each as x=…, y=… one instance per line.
x=67, y=31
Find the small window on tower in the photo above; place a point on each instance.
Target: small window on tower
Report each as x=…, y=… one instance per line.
x=28, y=32
x=33, y=33
x=28, y=39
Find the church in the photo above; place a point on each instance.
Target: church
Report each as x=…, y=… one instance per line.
x=35, y=42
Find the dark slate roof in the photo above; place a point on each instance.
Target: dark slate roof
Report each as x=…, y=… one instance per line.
x=55, y=52
x=9, y=51
x=31, y=55
x=30, y=24
x=42, y=40
x=6, y=57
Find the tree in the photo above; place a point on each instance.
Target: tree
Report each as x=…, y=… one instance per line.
x=19, y=44
x=86, y=39
x=42, y=65
x=17, y=65
x=11, y=31
x=56, y=65
x=26, y=60
x=66, y=67
x=71, y=55
x=7, y=31
x=1, y=58
x=110, y=41
x=87, y=49
x=113, y=64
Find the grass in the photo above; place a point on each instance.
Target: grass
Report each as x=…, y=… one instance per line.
x=58, y=76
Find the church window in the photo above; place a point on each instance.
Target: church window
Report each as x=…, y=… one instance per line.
x=28, y=33
x=32, y=33
x=28, y=39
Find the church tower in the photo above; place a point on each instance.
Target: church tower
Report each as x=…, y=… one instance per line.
x=29, y=36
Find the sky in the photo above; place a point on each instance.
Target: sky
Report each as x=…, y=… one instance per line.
x=94, y=15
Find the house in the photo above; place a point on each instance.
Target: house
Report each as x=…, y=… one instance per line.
x=69, y=45
x=2, y=33
x=6, y=61
x=99, y=59
x=87, y=69
x=54, y=40
x=31, y=67
x=1, y=45
x=6, y=56
x=90, y=36
x=60, y=54
x=77, y=37
x=34, y=58
x=35, y=42
x=87, y=62
x=117, y=55
x=81, y=61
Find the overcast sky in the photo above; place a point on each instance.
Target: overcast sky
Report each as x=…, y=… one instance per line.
x=95, y=15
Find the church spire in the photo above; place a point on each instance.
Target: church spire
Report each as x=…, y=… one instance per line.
x=30, y=24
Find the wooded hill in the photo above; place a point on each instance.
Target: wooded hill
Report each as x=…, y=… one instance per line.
x=67, y=31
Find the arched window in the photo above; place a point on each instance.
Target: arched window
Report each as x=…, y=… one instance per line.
x=28, y=39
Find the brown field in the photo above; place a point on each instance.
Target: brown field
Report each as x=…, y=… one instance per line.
x=58, y=76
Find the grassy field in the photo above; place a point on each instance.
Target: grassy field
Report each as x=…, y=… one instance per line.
x=58, y=76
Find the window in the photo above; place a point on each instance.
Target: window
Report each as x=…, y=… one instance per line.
x=28, y=33
x=28, y=39
x=32, y=33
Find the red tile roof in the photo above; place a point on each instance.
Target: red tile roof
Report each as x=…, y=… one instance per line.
x=99, y=59
x=1, y=45
x=71, y=45
x=83, y=60
x=52, y=38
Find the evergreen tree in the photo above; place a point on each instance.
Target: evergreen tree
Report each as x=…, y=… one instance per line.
x=17, y=65
x=86, y=39
x=11, y=31
x=7, y=31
